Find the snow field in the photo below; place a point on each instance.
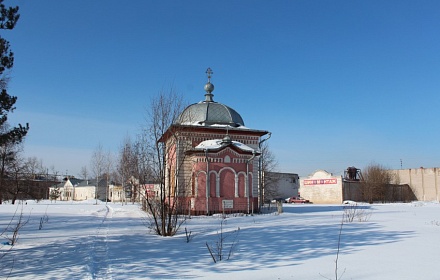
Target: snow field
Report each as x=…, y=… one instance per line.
x=82, y=240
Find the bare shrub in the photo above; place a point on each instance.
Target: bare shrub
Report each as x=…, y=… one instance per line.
x=337, y=276
x=165, y=218
x=352, y=213
x=12, y=230
x=43, y=220
x=355, y=212
x=188, y=235
x=217, y=250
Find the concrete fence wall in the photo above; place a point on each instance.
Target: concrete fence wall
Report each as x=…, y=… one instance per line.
x=423, y=181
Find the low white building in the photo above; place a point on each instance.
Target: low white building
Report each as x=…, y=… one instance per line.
x=66, y=189
x=77, y=189
x=116, y=193
x=322, y=187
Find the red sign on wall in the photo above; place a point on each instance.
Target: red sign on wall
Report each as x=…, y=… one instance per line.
x=321, y=181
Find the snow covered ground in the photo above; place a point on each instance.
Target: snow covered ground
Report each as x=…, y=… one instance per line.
x=81, y=240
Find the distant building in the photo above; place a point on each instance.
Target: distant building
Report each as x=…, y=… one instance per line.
x=79, y=189
x=322, y=187
x=280, y=185
x=117, y=193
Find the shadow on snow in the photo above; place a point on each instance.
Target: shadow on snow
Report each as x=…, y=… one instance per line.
x=131, y=251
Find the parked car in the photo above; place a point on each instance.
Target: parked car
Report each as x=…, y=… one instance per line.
x=297, y=199
x=279, y=199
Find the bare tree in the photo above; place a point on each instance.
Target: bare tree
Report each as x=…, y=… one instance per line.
x=21, y=178
x=15, y=184
x=8, y=153
x=37, y=178
x=143, y=163
x=163, y=162
x=98, y=167
x=128, y=168
x=144, y=159
x=26, y=179
x=122, y=167
x=108, y=168
x=268, y=165
x=376, y=180
x=84, y=173
x=35, y=166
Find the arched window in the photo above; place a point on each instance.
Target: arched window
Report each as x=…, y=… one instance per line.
x=227, y=159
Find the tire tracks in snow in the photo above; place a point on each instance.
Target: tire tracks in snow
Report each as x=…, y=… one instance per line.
x=99, y=263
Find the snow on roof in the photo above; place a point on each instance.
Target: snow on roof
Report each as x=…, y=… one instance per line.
x=210, y=144
x=224, y=125
x=197, y=123
x=217, y=144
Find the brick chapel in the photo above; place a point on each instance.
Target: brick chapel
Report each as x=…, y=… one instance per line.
x=214, y=159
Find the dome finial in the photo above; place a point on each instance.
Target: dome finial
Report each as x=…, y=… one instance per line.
x=209, y=88
x=209, y=74
x=227, y=139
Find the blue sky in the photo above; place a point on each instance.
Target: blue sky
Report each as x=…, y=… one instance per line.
x=338, y=83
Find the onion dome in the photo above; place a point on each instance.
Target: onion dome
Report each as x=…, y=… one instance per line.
x=209, y=112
